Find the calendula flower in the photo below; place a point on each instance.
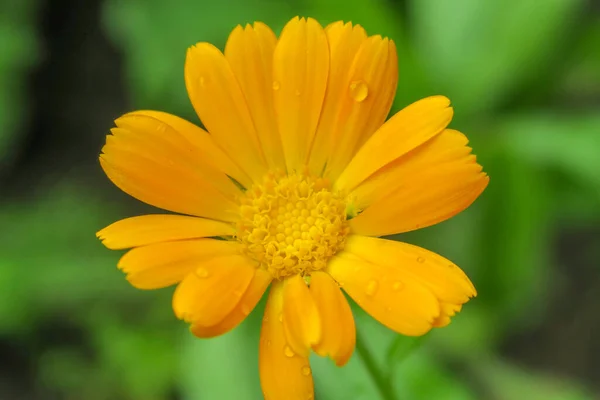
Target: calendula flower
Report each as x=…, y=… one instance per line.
x=296, y=177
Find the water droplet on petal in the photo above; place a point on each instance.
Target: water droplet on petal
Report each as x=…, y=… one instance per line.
x=420, y=260
x=281, y=317
x=397, y=286
x=276, y=85
x=202, y=273
x=297, y=92
x=245, y=309
x=371, y=288
x=306, y=370
x=268, y=343
x=288, y=351
x=388, y=309
x=201, y=81
x=359, y=91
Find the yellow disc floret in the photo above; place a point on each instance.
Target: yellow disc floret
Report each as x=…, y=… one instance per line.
x=292, y=224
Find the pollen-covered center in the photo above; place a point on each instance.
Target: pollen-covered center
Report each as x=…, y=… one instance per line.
x=292, y=224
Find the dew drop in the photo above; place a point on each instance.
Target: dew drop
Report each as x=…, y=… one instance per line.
x=306, y=370
x=245, y=309
x=288, y=352
x=371, y=288
x=397, y=286
x=297, y=92
x=276, y=85
x=359, y=91
x=388, y=309
x=420, y=260
x=281, y=317
x=201, y=81
x=268, y=343
x=202, y=273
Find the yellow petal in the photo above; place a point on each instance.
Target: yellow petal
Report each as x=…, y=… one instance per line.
x=300, y=70
x=149, y=229
x=422, y=200
x=137, y=127
x=364, y=101
x=450, y=146
x=147, y=159
x=441, y=276
x=406, y=130
x=249, y=51
x=220, y=104
x=344, y=41
x=338, y=335
x=389, y=294
x=208, y=294
x=300, y=316
x=255, y=290
x=284, y=375
x=202, y=144
x=164, y=264
x=448, y=310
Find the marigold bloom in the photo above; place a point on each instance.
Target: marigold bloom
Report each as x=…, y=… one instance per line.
x=290, y=187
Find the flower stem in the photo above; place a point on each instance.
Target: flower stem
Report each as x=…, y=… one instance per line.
x=384, y=386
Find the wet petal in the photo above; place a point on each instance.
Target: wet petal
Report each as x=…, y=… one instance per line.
x=250, y=51
x=338, y=335
x=150, y=161
x=164, y=264
x=212, y=291
x=220, y=104
x=284, y=375
x=300, y=71
x=390, y=295
x=254, y=292
x=407, y=129
x=300, y=316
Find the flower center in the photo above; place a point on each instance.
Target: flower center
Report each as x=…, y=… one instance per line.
x=292, y=224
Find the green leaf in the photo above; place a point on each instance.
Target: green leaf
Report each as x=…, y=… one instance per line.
x=155, y=35
x=481, y=52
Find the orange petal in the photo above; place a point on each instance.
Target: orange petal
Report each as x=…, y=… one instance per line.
x=442, y=277
x=300, y=316
x=300, y=70
x=450, y=146
x=164, y=264
x=390, y=295
x=202, y=143
x=148, y=229
x=344, y=41
x=249, y=51
x=255, y=290
x=284, y=375
x=338, y=330
x=149, y=160
x=448, y=310
x=423, y=200
x=407, y=129
x=212, y=291
x=220, y=104
x=365, y=100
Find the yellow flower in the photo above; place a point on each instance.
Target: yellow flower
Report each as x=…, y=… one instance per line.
x=290, y=187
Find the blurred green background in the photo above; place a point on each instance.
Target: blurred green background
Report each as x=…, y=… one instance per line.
x=524, y=77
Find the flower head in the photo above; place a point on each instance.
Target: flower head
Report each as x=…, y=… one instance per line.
x=290, y=186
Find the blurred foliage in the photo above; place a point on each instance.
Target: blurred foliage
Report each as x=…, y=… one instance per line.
x=18, y=53
x=523, y=79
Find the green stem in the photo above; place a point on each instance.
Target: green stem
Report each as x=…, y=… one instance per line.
x=384, y=385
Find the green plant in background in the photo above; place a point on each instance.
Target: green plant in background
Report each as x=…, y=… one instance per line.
x=523, y=79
